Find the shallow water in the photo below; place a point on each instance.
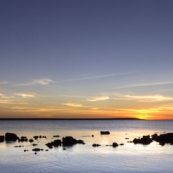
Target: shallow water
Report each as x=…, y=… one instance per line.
x=85, y=158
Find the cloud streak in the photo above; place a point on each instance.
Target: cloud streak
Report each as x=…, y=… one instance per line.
x=95, y=77
x=73, y=104
x=24, y=95
x=4, y=97
x=3, y=82
x=147, y=84
x=94, y=99
x=151, y=98
x=44, y=81
x=6, y=102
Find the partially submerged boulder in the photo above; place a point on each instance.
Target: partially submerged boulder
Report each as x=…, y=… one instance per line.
x=35, y=137
x=104, y=132
x=163, y=139
x=37, y=149
x=23, y=139
x=31, y=140
x=145, y=140
x=49, y=145
x=55, y=143
x=69, y=141
x=10, y=137
x=1, y=138
x=115, y=144
x=96, y=145
x=56, y=136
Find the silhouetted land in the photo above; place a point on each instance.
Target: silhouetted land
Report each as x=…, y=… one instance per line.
x=71, y=119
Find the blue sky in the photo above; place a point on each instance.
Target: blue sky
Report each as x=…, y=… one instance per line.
x=78, y=58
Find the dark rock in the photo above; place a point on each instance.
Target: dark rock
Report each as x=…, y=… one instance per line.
x=145, y=140
x=104, y=132
x=115, y=144
x=34, y=144
x=49, y=145
x=10, y=137
x=42, y=136
x=37, y=149
x=80, y=141
x=121, y=144
x=69, y=141
x=126, y=138
x=92, y=135
x=1, y=138
x=163, y=138
x=35, y=137
x=46, y=150
x=56, y=143
x=56, y=136
x=23, y=139
x=31, y=140
x=96, y=145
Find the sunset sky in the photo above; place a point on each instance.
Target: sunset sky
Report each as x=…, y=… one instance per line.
x=86, y=59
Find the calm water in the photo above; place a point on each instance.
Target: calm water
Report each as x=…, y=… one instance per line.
x=128, y=158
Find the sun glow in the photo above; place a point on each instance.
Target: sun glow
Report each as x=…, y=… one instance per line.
x=144, y=114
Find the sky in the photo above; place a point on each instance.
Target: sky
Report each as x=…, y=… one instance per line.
x=86, y=59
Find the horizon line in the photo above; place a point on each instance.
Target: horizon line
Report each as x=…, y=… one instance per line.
x=71, y=119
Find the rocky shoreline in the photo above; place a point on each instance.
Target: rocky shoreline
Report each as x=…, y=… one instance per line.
x=162, y=139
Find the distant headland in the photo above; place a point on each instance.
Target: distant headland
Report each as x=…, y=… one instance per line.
x=71, y=119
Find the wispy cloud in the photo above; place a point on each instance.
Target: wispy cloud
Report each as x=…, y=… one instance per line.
x=93, y=99
x=73, y=104
x=3, y=82
x=24, y=95
x=4, y=96
x=151, y=98
x=96, y=77
x=146, y=84
x=6, y=101
x=44, y=81
x=72, y=96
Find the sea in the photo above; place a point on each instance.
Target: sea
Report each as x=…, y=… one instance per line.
x=126, y=158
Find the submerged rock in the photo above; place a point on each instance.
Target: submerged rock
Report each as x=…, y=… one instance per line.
x=114, y=144
x=55, y=143
x=56, y=136
x=31, y=140
x=37, y=149
x=96, y=145
x=69, y=141
x=23, y=139
x=35, y=137
x=10, y=137
x=42, y=136
x=145, y=140
x=49, y=145
x=163, y=138
x=1, y=138
x=104, y=132
x=34, y=144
